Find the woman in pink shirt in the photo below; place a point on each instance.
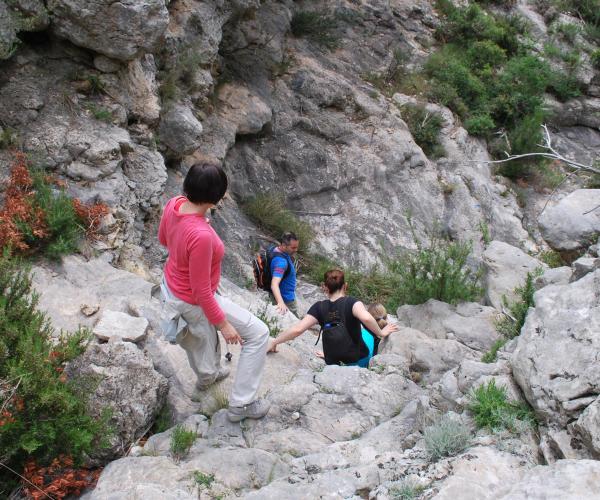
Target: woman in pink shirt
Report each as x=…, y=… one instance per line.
x=191, y=278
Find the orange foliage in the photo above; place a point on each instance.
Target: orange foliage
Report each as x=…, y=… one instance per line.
x=57, y=480
x=18, y=209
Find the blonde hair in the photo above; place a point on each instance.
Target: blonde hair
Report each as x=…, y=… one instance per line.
x=379, y=312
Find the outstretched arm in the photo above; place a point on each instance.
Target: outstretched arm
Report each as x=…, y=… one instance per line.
x=292, y=332
x=359, y=311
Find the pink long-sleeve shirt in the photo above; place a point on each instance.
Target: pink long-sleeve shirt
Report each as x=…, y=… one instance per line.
x=193, y=269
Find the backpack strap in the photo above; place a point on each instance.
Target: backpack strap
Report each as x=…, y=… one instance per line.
x=321, y=304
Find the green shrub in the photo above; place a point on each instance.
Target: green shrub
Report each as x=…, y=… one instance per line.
x=490, y=356
x=181, y=441
x=569, y=31
x=595, y=58
x=8, y=138
x=425, y=128
x=481, y=125
x=318, y=27
x=202, y=479
x=511, y=328
x=271, y=322
x=446, y=438
x=164, y=420
x=437, y=270
x=269, y=212
x=492, y=409
x=44, y=413
x=406, y=489
x=551, y=258
x=100, y=113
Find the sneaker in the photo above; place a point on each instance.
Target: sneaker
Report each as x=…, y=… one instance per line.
x=200, y=389
x=256, y=409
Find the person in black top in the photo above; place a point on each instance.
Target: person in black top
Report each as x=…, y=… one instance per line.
x=340, y=318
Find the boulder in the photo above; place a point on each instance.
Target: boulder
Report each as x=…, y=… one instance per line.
x=125, y=383
x=421, y=354
x=114, y=326
x=469, y=323
x=555, y=361
x=554, y=276
x=506, y=268
x=128, y=29
x=180, y=130
x=583, y=266
x=566, y=479
x=8, y=32
x=572, y=223
x=588, y=427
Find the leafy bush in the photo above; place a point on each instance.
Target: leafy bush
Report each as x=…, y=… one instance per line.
x=425, y=128
x=38, y=215
x=8, y=138
x=43, y=413
x=271, y=322
x=181, y=441
x=492, y=409
x=316, y=26
x=100, y=113
x=269, y=212
x=595, y=57
x=446, y=438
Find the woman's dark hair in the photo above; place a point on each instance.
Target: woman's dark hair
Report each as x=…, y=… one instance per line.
x=205, y=183
x=333, y=280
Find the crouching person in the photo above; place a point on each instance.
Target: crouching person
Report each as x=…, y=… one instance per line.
x=340, y=318
x=191, y=277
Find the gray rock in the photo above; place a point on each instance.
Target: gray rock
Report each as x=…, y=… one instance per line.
x=154, y=478
x=127, y=385
x=566, y=479
x=583, y=266
x=555, y=276
x=180, y=130
x=79, y=285
x=8, y=32
x=147, y=169
x=117, y=326
x=506, y=268
x=566, y=226
x=106, y=64
x=579, y=111
x=555, y=362
x=481, y=473
x=128, y=29
x=588, y=427
x=160, y=444
x=470, y=324
x=419, y=353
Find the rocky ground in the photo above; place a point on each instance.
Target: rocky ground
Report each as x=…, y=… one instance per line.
x=118, y=99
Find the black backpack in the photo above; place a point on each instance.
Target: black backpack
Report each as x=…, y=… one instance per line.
x=261, y=265
x=338, y=346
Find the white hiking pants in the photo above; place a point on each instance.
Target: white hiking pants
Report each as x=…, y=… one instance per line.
x=200, y=341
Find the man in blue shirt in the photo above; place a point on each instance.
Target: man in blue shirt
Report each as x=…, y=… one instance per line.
x=283, y=274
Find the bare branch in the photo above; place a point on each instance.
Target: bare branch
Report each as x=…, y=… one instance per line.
x=551, y=153
x=589, y=211
x=554, y=191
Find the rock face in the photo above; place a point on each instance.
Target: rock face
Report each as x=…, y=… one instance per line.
x=506, y=267
x=555, y=359
x=572, y=223
x=180, y=130
x=128, y=29
x=127, y=385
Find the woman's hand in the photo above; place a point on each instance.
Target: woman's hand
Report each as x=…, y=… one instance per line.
x=272, y=345
x=389, y=328
x=229, y=333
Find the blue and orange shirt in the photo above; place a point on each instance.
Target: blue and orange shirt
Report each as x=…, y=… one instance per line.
x=279, y=263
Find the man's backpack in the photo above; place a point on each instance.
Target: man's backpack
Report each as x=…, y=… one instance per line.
x=338, y=346
x=261, y=265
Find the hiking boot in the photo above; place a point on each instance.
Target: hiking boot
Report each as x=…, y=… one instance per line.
x=200, y=389
x=256, y=409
